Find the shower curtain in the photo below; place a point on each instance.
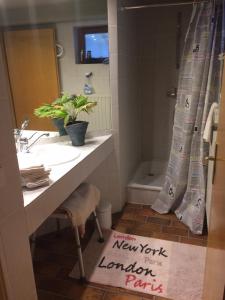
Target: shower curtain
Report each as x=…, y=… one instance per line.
x=199, y=85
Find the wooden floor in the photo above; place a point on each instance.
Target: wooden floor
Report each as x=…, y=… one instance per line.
x=55, y=256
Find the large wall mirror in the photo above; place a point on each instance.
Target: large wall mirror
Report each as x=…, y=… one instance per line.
x=41, y=53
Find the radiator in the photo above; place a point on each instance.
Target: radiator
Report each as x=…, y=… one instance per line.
x=100, y=118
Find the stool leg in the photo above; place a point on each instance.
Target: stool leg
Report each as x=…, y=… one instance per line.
x=101, y=238
x=79, y=252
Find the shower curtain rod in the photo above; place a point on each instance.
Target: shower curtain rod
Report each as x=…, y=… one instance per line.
x=161, y=5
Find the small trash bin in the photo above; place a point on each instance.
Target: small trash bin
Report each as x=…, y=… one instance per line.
x=104, y=213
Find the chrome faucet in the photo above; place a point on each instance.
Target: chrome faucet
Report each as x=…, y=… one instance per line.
x=22, y=143
x=19, y=140
x=27, y=149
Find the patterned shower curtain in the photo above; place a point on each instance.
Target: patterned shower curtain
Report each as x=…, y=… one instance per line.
x=199, y=85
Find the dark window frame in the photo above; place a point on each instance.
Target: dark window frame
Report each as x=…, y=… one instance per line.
x=81, y=49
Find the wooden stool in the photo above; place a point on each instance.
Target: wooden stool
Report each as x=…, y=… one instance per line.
x=77, y=208
x=63, y=214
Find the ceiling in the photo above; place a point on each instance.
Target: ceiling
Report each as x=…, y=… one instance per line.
x=8, y=4
x=25, y=12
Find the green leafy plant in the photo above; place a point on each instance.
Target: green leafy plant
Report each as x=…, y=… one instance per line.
x=55, y=109
x=75, y=106
x=66, y=107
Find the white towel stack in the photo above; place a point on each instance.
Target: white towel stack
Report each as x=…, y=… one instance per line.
x=34, y=176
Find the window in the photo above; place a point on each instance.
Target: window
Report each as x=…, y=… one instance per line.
x=92, y=44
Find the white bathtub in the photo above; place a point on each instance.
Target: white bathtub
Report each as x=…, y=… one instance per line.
x=147, y=182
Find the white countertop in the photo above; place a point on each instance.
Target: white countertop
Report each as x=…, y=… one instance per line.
x=65, y=178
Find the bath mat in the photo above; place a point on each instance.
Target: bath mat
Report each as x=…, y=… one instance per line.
x=148, y=265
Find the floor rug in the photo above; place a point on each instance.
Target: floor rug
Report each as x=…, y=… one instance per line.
x=148, y=265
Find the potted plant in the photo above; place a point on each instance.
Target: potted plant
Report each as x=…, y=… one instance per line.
x=77, y=129
x=55, y=111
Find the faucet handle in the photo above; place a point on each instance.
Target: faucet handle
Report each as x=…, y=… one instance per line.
x=29, y=146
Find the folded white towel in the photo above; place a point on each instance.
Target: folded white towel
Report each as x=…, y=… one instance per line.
x=210, y=122
x=36, y=183
x=81, y=203
x=34, y=176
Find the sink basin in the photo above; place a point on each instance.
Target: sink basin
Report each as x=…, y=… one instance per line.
x=48, y=154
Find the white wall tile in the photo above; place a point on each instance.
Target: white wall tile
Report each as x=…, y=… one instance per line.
x=73, y=74
x=128, y=104
x=73, y=78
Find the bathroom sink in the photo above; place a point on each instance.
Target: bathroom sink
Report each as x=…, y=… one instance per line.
x=48, y=154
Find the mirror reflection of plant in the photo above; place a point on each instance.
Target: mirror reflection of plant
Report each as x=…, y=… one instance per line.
x=75, y=106
x=54, y=110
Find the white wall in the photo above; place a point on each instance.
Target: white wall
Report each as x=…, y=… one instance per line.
x=129, y=103
x=106, y=178
x=65, y=16
x=15, y=257
x=124, y=88
x=72, y=76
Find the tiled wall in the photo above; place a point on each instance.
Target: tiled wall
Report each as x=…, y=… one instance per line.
x=113, y=175
x=142, y=69
x=129, y=104
x=157, y=29
x=124, y=89
x=72, y=77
